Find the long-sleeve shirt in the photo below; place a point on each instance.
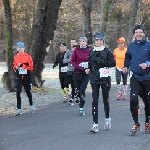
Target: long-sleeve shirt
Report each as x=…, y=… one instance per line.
x=67, y=59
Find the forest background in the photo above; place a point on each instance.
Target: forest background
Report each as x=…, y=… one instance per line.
x=43, y=24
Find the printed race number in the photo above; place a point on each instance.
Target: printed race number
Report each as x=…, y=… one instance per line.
x=104, y=72
x=22, y=71
x=64, y=69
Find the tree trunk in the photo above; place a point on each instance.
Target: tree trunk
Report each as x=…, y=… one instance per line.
x=87, y=6
x=133, y=18
x=9, y=52
x=43, y=31
x=105, y=16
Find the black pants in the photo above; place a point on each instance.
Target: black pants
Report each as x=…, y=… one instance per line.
x=70, y=81
x=27, y=86
x=135, y=87
x=62, y=79
x=81, y=82
x=95, y=94
x=120, y=74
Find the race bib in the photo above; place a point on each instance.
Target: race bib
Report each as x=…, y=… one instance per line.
x=120, y=69
x=84, y=65
x=64, y=69
x=104, y=72
x=22, y=71
x=131, y=73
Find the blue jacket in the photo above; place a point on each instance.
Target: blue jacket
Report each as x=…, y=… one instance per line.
x=136, y=54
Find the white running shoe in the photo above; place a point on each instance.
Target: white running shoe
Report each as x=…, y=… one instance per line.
x=19, y=112
x=94, y=128
x=107, y=125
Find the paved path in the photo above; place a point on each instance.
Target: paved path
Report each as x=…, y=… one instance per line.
x=58, y=127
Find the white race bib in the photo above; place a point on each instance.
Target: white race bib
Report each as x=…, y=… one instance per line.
x=120, y=69
x=84, y=65
x=22, y=71
x=104, y=72
x=131, y=73
x=64, y=69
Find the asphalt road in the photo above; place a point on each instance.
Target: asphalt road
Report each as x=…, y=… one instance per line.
x=58, y=127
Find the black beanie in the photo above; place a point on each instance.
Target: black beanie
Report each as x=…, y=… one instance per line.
x=139, y=27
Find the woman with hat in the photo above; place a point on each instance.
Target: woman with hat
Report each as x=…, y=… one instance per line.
x=100, y=59
x=119, y=55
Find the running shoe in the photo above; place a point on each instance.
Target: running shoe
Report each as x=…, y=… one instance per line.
x=107, y=125
x=124, y=97
x=147, y=128
x=81, y=112
x=119, y=96
x=19, y=112
x=94, y=128
x=70, y=102
x=135, y=129
x=32, y=109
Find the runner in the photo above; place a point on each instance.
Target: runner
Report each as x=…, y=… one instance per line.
x=100, y=59
x=137, y=58
x=23, y=65
x=62, y=70
x=70, y=70
x=119, y=55
x=79, y=60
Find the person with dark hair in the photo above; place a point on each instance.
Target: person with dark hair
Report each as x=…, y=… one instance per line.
x=79, y=60
x=119, y=55
x=70, y=71
x=23, y=65
x=62, y=70
x=99, y=61
x=137, y=58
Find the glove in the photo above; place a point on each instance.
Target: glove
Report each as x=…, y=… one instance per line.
x=54, y=66
x=100, y=60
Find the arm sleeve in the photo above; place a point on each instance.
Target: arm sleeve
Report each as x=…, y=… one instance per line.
x=66, y=58
x=127, y=59
x=73, y=61
x=29, y=64
x=111, y=61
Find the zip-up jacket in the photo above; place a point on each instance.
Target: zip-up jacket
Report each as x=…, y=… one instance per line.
x=79, y=56
x=67, y=59
x=97, y=60
x=138, y=53
x=26, y=63
x=59, y=61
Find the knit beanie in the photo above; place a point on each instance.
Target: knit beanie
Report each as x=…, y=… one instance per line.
x=139, y=27
x=122, y=39
x=20, y=44
x=83, y=38
x=99, y=36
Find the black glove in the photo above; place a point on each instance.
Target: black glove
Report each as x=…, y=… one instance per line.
x=54, y=66
x=100, y=60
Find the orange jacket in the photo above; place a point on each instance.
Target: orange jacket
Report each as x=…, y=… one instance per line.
x=25, y=59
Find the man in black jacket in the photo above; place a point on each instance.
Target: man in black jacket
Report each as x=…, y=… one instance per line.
x=62, y=70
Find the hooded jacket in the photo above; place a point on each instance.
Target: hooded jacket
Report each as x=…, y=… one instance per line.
x=97, y=60
x=138, y=53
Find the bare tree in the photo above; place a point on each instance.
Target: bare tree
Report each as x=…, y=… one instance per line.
x=133, y=17
x=105, y=15
x=9, y=76
x=43, y=31
x=87, y=5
